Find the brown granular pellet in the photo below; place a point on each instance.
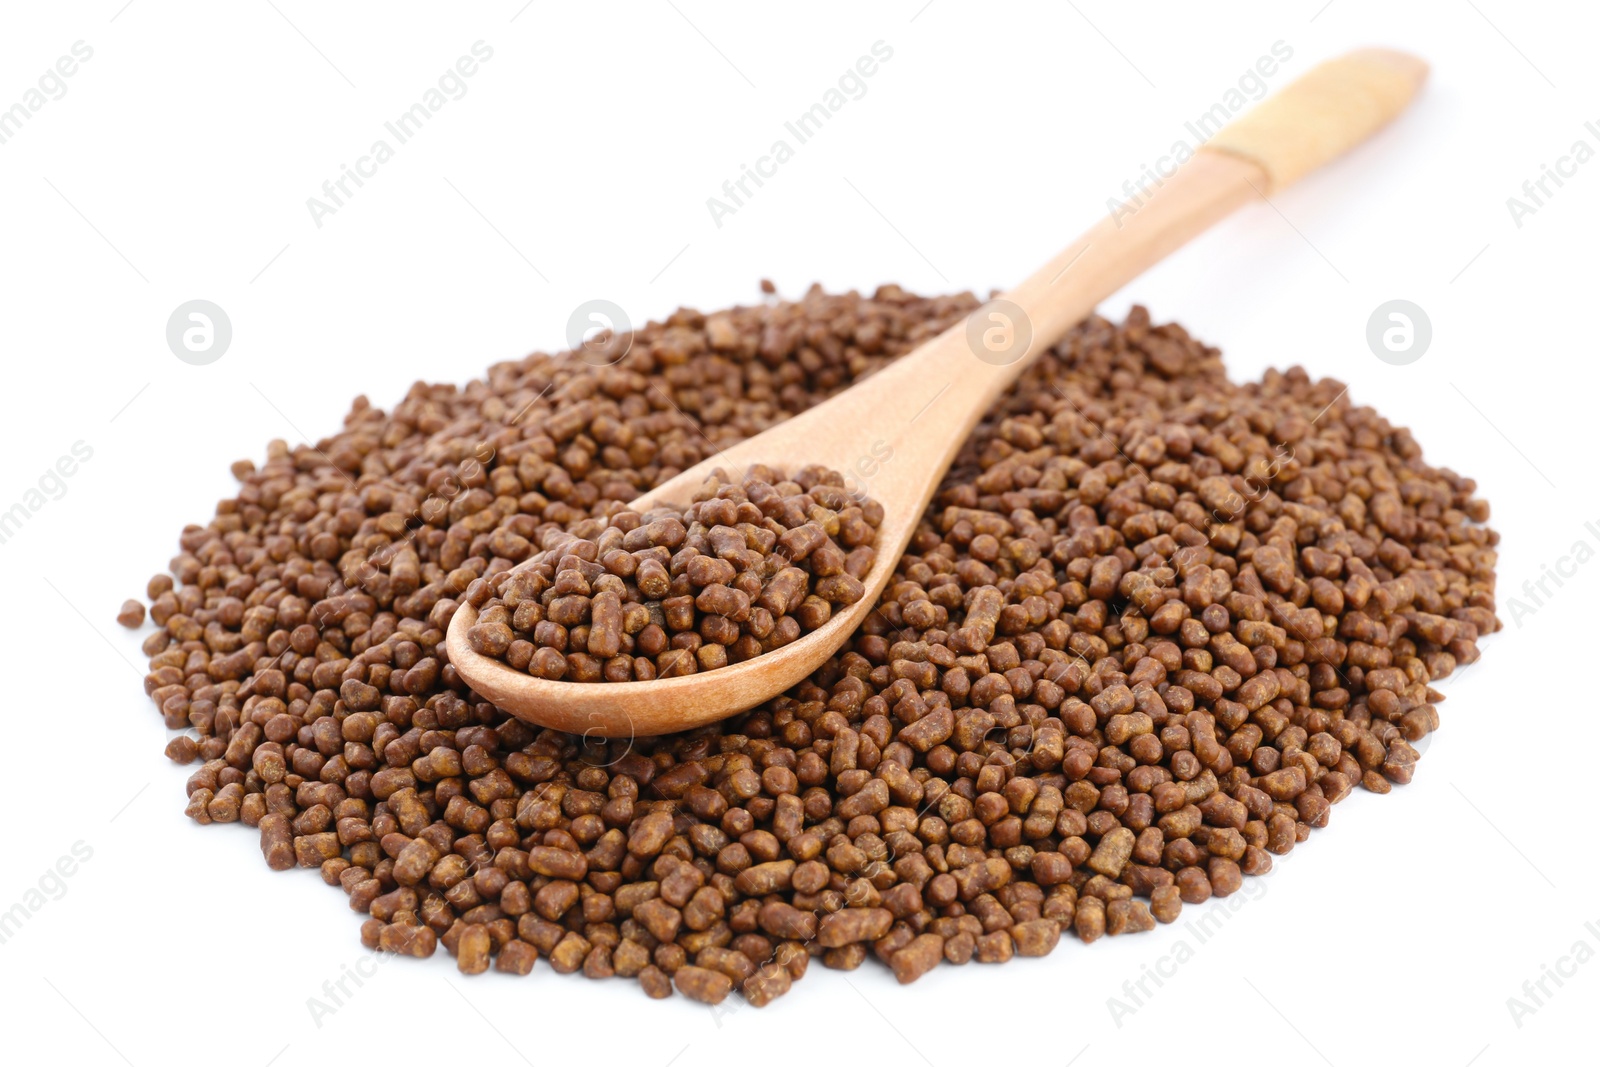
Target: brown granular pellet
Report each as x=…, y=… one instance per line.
x=702, y=984
x=516, y=957
x=1152, y=630
x=182, y=749
x=655, y=982
x=766, y=985
x=917, y=958
x=1036, y=937
x=1165, y=903
x=850, y=925
x=747, y=568
x=472, y=949
x=995, y=946
x=408, y=940
x=131, y=615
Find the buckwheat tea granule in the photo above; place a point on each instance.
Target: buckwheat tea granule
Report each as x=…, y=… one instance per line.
x=1153, y=627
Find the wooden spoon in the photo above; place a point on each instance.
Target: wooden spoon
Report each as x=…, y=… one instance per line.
x=895, y=434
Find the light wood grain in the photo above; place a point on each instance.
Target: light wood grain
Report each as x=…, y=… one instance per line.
x=1321, y=116
x=919, y=410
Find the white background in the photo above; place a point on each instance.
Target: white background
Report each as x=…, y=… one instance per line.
x=177, y=166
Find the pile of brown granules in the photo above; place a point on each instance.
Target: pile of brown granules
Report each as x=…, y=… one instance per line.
x=745, y=569
x=1154, y=626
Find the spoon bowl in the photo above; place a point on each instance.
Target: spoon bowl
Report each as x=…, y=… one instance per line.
x=668, y=705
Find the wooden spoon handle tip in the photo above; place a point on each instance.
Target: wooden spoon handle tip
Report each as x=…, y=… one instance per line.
x=1323, y=114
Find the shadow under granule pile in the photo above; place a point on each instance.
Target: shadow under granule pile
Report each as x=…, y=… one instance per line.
x=1154, y=626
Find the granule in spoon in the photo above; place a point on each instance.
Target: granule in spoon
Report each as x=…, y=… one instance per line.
x=747, y=568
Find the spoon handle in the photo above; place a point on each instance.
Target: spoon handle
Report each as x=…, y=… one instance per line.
x=895, y=434
x=953, y=380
